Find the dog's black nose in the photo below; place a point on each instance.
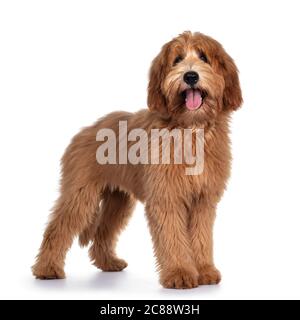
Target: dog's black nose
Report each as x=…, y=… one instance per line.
x=191, y=78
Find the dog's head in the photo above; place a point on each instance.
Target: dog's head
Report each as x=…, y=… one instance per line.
x=193, y=80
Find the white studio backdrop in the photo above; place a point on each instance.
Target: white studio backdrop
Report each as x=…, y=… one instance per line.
x=63, y=64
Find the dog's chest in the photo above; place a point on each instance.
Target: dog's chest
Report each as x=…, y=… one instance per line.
x=216, y=165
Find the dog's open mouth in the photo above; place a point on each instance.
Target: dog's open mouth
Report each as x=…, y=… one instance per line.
x=193, y=98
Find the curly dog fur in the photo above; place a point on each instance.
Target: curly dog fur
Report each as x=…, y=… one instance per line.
x=180, y=208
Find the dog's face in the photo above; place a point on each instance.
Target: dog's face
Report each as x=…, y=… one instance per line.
x=193, y=80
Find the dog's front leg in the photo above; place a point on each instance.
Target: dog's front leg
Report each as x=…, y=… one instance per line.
x=168, y=224
x=202, y=218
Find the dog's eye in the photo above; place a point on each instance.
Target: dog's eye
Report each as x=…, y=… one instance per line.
x=177, y=60
x=203, y=57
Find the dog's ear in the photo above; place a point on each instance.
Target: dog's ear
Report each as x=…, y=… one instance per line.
x=156, y=98
x=232, y=97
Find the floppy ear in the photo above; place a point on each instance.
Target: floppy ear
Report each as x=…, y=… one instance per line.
x=156, y=99
x=232, y=97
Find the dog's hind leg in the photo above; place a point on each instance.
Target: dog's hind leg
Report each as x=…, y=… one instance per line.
x=88, y=233
x=115, y=210
x=72, y=213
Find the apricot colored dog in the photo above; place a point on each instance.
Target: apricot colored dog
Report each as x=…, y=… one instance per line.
x=193, y=84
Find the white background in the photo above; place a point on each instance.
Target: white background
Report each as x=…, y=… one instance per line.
x=63, y=64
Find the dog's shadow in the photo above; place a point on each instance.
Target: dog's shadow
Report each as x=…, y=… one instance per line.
x=122, y=282
x=104, y=281
x=194, y=293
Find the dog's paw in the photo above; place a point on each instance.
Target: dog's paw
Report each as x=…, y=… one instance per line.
x=48, y=271
x=209, y=275
x=180, y=279
x=112, y=264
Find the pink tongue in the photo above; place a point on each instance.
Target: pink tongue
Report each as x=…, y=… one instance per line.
x=193, y=99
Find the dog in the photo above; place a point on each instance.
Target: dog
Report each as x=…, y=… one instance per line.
x=193, y=83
